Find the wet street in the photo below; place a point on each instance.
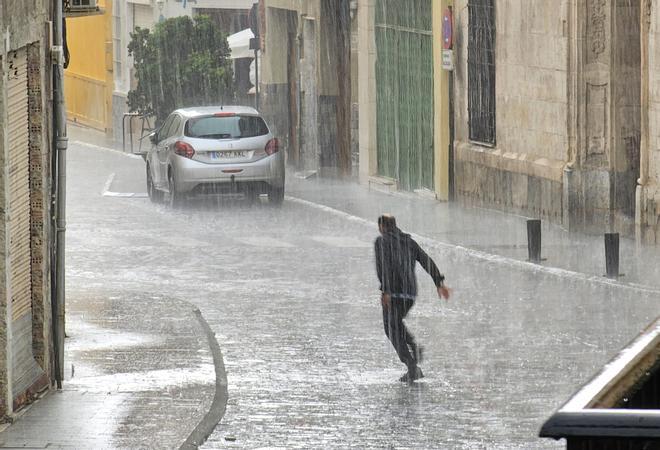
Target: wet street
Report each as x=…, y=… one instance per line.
x=291, y=295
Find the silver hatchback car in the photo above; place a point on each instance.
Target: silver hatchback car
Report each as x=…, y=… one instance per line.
x=214, y=150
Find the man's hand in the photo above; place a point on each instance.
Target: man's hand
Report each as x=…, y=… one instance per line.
x=385, y=300
x=444, y=292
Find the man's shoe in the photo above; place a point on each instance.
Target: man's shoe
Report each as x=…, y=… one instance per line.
x=412, y=375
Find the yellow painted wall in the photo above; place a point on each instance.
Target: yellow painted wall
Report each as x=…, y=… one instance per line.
x=88, y=80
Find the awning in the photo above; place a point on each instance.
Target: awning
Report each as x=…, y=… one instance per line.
x=239, y=44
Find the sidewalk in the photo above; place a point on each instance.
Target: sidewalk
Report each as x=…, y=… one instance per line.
x=484, y=232
x=133, y=362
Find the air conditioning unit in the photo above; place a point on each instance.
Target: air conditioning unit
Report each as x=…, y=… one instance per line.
x=82, y=5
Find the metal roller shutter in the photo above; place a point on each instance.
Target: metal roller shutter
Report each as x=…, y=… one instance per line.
x=404, y=90
x=143, y=16
x=19, y=186
x=26, y=373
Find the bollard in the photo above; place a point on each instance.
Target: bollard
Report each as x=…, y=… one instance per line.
x=612, y=255
x=534, y=240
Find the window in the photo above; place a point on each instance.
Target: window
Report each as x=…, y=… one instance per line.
x=481, y=71
x=174, y=128
x=225, y=127
x=117, y=48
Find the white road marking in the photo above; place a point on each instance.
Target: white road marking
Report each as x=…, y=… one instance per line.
x=342, y=242
x=125, y=194
x=108, y=184
x=258, y=241
x=519, y=264
x=108, y=193
x=107, y=149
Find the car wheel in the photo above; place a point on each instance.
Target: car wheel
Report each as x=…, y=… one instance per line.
x=276, y=196
x=176, y=198
x=155, y=195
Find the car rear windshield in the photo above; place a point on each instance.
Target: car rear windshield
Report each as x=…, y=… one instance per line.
x=226, y=127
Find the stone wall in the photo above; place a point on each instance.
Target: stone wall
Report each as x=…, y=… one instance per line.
x=327, y=131
x=274, y=107
x=649, y=197
x=367, y=109
x=523, y=171
x=605, y=81
x=5, y=354
x=274, y=87
x=24, y=21
x=567, y=112
x=24, y=24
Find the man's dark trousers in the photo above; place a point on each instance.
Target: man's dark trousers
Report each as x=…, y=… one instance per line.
x=397, y=332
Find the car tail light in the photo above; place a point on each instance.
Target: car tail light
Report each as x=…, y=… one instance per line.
x=184, y=149
x=224, y=114
x=273, y=146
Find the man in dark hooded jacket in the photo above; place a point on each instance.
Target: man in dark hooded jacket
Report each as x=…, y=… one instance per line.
x=396, y=256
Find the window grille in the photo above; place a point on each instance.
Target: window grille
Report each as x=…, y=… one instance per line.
x=117, y=47
x=481, y=71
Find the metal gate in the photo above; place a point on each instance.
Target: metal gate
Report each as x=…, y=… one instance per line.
x=404, y=78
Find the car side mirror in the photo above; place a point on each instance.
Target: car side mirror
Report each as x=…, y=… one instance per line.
x=153, y=137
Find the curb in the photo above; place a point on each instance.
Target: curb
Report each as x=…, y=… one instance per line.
x=217, y=410
x=484, y=256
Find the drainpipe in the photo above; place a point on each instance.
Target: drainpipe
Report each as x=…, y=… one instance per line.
x=60, y=143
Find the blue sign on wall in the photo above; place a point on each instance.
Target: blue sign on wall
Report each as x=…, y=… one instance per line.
x=185, y=2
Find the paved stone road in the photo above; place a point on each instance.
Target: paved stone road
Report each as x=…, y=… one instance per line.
x=291, y=294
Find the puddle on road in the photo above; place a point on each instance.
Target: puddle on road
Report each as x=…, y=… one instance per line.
x=143, y=381
x=83, y=336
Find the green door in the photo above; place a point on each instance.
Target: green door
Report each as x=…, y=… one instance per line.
x=404, y=78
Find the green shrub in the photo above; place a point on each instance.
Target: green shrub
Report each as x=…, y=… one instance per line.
x=181, y=63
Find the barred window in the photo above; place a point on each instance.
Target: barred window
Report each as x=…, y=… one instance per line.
x=481, y=71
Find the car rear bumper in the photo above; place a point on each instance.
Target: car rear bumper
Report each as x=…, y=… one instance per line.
x=194, y=176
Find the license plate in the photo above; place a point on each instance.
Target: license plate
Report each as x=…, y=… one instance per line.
x=231, y=154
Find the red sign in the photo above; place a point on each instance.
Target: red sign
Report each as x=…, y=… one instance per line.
x=447, y=29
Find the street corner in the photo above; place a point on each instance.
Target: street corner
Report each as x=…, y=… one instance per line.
x=149, y=350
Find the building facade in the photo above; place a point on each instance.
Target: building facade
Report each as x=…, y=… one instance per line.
x=308, y=88
x=567, y=98
x=553, y=107
x=26, y=346
x=88, y=77
x=647, y=202
x=548, y=109
x=512, y=106
x=403, y=97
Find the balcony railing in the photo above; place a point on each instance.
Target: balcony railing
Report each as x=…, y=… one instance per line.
x=78, y=8
x=620, y=407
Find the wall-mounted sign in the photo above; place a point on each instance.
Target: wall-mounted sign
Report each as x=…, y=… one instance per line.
x=447, y=29
x=448, y=59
